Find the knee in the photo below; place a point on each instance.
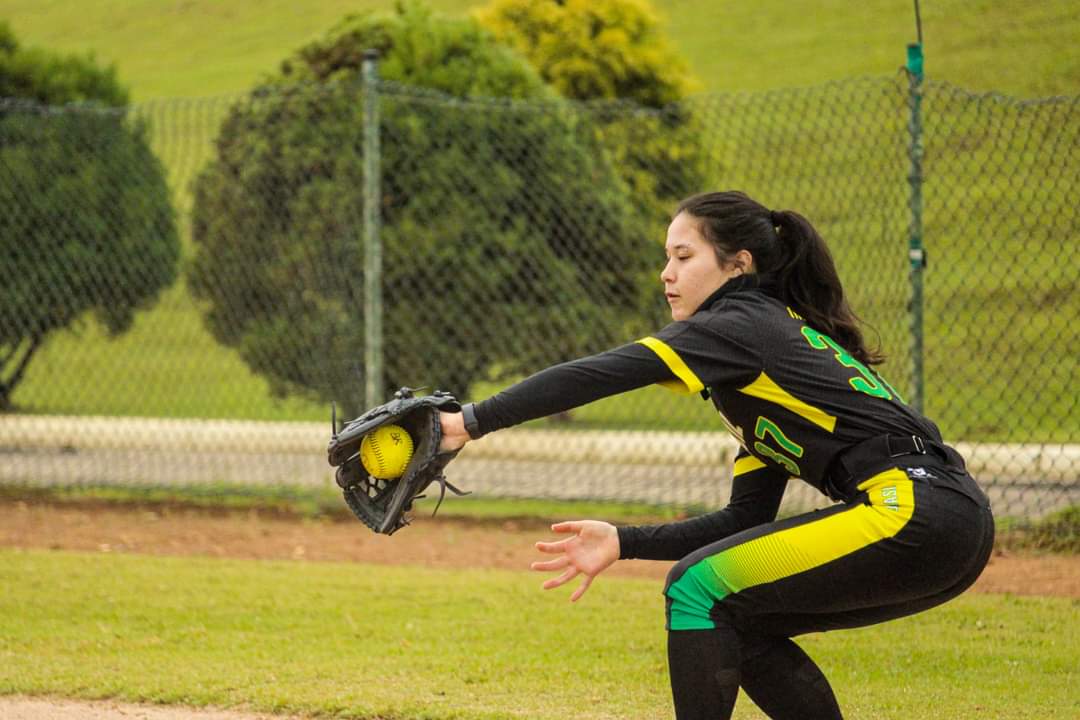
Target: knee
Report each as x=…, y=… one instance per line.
x=691, y=591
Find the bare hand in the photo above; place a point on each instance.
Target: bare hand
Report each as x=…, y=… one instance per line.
x=590, y=550
x=454, y=435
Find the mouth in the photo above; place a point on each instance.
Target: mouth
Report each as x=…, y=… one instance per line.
x=671, y=297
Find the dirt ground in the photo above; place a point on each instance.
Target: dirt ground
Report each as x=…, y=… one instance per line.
x=446, y=542
x=428, y=542
x=24, y=708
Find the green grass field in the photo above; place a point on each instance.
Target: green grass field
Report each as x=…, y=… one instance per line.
x=346, y=640
x=169, y=366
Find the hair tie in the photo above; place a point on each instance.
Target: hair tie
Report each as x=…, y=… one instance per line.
x=774, y=218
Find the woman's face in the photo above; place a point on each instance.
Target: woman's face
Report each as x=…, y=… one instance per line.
x=693, y=271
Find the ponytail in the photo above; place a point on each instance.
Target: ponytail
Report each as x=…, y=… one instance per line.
x=784, y=244
x=808, y=281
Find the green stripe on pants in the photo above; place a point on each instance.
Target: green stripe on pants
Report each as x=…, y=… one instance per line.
x=789, y=550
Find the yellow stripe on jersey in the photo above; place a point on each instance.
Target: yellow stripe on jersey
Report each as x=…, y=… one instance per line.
x=794, y=314
x=687, y=381
x=747, y=464
x=767, y=390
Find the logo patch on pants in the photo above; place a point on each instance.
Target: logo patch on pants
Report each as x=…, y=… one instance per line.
x=920, y=473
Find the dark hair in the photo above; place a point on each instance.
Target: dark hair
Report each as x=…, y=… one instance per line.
x=785, y=245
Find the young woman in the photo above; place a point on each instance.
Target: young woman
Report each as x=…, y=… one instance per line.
x=761, y=326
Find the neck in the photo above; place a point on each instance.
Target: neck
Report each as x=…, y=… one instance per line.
x=748, y=281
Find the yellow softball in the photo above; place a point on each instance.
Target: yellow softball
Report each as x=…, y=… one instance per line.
x=386, y=452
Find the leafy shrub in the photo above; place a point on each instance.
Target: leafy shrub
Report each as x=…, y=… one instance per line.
x=87, y=224
x=513, y=200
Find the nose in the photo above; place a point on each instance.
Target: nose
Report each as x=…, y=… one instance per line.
x=667, y=275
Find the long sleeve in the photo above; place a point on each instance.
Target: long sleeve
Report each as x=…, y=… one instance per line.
x=755, y=498
x=572, y=384
x=686, y=356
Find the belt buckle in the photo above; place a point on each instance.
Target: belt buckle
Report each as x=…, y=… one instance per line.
x=917, y=443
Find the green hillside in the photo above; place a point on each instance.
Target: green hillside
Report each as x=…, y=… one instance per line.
x=207, y=47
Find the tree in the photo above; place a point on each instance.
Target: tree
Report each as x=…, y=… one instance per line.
x=614, y=50
x=593, y=49
x=509, y=240
x=87, y=224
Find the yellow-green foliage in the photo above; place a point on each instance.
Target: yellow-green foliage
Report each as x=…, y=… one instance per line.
x=594, y=49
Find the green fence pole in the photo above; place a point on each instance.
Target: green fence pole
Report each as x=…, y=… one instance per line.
x=373, y=305
x=916, y=251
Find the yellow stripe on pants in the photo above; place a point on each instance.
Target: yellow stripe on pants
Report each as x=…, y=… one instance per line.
x=792, y=550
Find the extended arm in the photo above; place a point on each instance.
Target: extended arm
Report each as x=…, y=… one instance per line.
x=570, y=385
x=684, y=355
x=557, y=389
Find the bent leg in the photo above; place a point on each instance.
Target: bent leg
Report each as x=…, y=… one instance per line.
x=707, y=668
x=908, y=547
x=786, y=684
x=704, y=670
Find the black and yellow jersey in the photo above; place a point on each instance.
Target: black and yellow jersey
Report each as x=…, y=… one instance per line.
x=791, y=396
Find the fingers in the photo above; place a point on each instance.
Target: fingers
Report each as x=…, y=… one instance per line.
x=553, y=547
x=566, y=577
x=557, y=564
x=570, y=574
x=582, y=588
x=571, y=526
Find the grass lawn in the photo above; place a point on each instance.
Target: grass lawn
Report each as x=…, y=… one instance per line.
x=373, y=641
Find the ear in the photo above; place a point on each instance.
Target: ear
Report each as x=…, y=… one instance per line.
x=743, y=261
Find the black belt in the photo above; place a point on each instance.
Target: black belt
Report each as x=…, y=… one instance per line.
x=863, y=459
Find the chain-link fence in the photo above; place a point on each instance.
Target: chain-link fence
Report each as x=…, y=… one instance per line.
x=513, y=235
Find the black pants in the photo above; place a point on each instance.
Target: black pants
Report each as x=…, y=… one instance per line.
x=916, y=536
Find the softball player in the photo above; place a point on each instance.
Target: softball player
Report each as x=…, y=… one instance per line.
x=761, y=328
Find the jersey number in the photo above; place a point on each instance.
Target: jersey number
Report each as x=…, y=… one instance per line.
x=867, y=382
x=764, y=427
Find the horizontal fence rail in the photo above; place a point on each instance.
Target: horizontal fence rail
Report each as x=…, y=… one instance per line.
x=655, y=467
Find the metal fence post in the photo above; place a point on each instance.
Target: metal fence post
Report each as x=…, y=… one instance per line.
x=916, y=251
x=373, y=306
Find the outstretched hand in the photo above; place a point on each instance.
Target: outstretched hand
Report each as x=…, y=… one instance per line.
x=592, y=547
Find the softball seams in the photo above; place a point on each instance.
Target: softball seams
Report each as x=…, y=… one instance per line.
x=378, y=454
